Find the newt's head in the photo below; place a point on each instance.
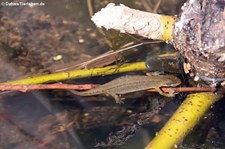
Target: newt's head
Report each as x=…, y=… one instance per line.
x=171, y=80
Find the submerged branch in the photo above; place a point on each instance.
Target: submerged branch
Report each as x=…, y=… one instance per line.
x=25, y=88
x=183, y=120
x=61, y=86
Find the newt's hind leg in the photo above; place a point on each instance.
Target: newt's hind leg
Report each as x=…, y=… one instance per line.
x=116, y=97
x=170, y=94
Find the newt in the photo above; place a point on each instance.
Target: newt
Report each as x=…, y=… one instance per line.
x=133, y=83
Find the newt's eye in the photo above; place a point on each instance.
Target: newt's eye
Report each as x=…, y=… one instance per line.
x=172, y=83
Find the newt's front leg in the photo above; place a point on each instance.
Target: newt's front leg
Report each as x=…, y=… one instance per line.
x=170, y=94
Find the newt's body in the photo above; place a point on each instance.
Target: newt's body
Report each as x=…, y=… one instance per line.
x=129, y=84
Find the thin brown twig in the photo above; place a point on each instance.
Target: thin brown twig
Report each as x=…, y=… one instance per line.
x=105, y=58
x=185, y=89
x=24, y=88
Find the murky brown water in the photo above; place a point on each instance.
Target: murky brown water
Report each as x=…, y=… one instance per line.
x=30, y=39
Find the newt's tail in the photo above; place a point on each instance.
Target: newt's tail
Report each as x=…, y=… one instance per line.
x=82, y=93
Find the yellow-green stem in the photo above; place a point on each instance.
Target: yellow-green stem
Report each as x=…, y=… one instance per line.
x=75, y=74
x=183, y=120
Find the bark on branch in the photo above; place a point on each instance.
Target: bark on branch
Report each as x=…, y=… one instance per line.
x=133, y=21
